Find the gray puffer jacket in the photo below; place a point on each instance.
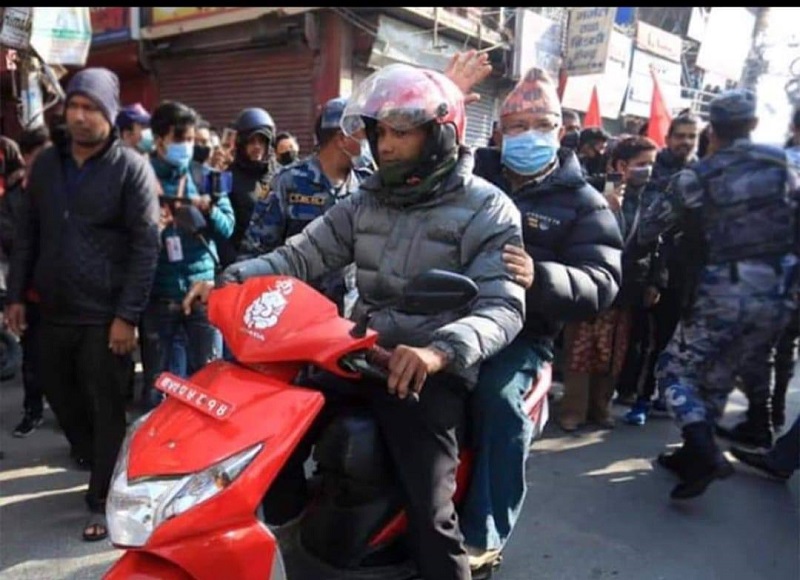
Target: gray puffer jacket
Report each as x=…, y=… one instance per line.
x=462, y=228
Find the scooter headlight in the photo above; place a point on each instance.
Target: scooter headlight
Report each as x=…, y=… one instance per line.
x=202, y=486
x=136, y=508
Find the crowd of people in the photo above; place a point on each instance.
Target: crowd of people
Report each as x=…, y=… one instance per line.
x=663, y=276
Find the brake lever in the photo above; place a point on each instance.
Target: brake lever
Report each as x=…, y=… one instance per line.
x=359, y=363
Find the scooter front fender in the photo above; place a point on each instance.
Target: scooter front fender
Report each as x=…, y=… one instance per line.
x=249, y=552
x=136, y=565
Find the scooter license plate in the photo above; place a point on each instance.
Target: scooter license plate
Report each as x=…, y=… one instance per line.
x=194, y=396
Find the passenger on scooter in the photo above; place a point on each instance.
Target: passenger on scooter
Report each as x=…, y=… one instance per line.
x=575, y=244
x=423, y=209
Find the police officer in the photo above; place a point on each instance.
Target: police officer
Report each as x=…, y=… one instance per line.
x=742, y=200
x=307, y=189
x=252, y=169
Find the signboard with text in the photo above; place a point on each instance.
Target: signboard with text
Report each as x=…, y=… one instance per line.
x=588, y=34
x=111, y=24
x=660, y=42
x=611, y=85
x=640, y=88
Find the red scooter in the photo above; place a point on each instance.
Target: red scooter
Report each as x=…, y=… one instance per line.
x=189, y=481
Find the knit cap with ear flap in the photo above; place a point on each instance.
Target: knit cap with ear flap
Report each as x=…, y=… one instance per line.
x=535, y=93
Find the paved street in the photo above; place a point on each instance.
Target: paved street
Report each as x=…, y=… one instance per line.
x=597, y=509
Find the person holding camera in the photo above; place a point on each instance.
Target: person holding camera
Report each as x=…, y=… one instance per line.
x=185, y=257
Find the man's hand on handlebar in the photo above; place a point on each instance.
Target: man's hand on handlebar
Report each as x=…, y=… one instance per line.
x=409, y=368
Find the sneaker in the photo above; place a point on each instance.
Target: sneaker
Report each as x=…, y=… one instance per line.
x=28, y=425
x=480, y=558
x=638, y=414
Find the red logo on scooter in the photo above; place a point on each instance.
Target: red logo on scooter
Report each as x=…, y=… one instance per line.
x=194, y=396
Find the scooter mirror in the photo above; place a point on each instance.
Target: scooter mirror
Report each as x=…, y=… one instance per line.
x=437, y=291
x=189, y=219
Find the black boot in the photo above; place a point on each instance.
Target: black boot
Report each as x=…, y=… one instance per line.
x=676, y=461
x=703, y=462
x=754, y=431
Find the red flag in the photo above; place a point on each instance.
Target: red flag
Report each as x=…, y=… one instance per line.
x=593, y=118
x=658, y=125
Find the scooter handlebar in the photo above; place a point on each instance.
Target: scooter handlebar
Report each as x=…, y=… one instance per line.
x=378, y=359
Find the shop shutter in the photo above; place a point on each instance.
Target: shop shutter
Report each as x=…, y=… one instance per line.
x=219, y=85
x=480, y=116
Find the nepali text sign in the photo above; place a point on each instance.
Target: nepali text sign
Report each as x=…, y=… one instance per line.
x=657, y=41
x=611, y=85
x=640, y=88
x=17, y=26
x=538, y=43
x=588, y=35
x=111, y=24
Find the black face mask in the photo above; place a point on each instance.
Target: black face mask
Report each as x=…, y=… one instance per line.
x=201, y=153
x=571, y=139
x=287, y=157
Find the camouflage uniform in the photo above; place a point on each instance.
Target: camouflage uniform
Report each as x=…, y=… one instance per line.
x=744, y=201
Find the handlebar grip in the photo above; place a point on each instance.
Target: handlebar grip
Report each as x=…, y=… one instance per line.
x=379, y=357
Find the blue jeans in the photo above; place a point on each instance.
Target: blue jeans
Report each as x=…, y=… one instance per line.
x=502, y=435
x=786, y=453
x=167, y=327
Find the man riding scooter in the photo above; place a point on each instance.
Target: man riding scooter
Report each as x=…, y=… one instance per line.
x=423, y=209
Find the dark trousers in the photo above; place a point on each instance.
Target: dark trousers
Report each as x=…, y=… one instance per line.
x=85, y=384
x=31, y=371
x=637, y=375
x=665, y=316
x=165, y=324
x=422, y=440
x=784, y=360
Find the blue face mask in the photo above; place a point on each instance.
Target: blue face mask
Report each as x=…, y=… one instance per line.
x=145, y=144
x=180, y=154
x=530, y=152
x=364, y=160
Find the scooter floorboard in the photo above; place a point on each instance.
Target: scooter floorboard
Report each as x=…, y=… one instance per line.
x=301, y=565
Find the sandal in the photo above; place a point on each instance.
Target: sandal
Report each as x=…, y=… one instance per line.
x=96, y=528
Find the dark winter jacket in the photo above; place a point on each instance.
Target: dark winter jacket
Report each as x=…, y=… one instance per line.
x=88, y=236
x=574, y=241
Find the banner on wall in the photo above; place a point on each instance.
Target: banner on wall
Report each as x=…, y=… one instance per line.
x=611, y=85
